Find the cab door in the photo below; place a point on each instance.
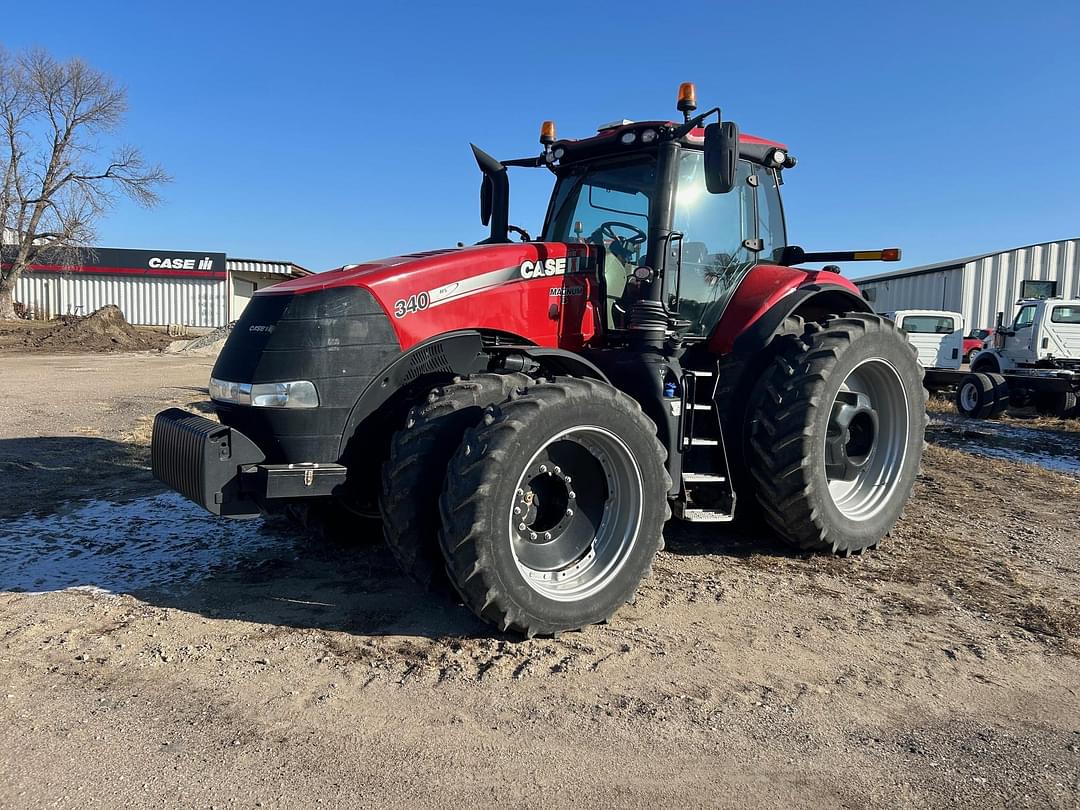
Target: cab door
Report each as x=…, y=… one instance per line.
x=1018, y=340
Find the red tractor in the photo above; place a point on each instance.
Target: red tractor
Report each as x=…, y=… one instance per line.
x=524, y=416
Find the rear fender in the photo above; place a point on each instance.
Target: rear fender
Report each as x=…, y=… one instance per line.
x=811, y=302
x=752, y=352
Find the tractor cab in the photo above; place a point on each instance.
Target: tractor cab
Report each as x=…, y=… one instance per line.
x=679, y=214
x=608, y=194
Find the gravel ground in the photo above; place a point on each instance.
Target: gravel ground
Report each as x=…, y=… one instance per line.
x=152, y=656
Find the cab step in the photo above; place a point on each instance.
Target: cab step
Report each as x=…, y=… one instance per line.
x=702, y=478
x=695, y=514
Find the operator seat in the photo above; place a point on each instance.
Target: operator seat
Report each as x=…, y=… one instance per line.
x=615, y=275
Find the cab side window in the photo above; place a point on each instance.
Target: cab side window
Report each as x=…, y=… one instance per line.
x=770, y=215
x=1025, y=317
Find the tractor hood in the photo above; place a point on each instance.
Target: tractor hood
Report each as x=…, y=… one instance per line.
x=341, y=330
x=484, y=287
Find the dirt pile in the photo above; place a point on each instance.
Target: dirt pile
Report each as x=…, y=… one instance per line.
x=105, y=330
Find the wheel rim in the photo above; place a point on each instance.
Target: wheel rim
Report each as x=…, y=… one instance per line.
x=969, y=397
x=575, y=513
x=866, y=439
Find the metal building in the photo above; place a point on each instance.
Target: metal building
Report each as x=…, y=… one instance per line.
x=151, y=287
x=980, y=286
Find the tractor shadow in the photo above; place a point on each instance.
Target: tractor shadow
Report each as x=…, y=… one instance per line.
x=85, y=512
x=351, y=586
x=39, y=475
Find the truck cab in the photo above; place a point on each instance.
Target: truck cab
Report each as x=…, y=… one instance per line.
x=938, y=335
x=1044, y=332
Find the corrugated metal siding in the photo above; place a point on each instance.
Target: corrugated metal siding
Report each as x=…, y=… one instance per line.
x=144, y=300
x=992, y=284
x=256, y=266
x=941, y=290
x=983, y=287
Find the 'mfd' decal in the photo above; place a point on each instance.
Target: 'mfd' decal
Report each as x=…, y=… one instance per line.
x=543, y=267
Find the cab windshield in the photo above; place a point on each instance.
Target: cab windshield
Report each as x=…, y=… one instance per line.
x=608, y=204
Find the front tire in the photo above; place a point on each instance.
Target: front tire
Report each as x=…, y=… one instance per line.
x=837, y=434
x=412, y=477
x=554, y=507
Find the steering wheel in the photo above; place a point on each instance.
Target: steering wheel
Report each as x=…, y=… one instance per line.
x=524, y=234
x=622, y=247
x=607, y=231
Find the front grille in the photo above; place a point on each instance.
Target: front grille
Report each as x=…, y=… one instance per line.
x=428, y=360
x=338, y=338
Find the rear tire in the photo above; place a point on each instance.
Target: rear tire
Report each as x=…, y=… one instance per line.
x=412, y=477
x=837, y=434
x=1063, y=404
x=1000, y=395
x=982, y=396
x=554, y=507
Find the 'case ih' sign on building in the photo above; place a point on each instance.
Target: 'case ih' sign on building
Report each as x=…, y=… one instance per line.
x=152, y=287
x=122, y=261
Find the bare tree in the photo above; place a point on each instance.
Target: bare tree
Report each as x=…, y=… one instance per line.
x=57, y=120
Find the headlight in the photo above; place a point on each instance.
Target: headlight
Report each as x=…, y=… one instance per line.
x=296, y=394
x=224, y=391
x=299, y=394
x=628, y=137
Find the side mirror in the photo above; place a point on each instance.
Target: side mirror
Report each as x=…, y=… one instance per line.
x=494, y=196
x=791, y=255
x=486, y=194
x=721, y=156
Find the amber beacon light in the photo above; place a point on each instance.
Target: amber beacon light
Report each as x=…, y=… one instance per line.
x=687, y=98
x=547, y=133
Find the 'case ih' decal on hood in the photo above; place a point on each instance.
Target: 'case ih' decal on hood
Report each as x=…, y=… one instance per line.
x=526, y=271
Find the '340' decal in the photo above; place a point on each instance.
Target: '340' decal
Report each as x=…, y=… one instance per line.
x=414, y=303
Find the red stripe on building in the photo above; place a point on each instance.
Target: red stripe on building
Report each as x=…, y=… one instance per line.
x=121, y=271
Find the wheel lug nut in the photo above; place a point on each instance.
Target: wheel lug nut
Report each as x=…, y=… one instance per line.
x=558, y=470
x=517, y=510
x=543, y=468
x=532, y=535
x=569, y=512
x=547, y=535
x=572, y=495
x=521, y=527
x=567, y=479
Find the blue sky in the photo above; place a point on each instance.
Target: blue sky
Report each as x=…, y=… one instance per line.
x=327, y=133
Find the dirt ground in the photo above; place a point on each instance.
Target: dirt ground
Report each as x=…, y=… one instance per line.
x=152, y=656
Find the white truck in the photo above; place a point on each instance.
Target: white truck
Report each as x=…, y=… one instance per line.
x=936, y=334
x=1035, y=360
